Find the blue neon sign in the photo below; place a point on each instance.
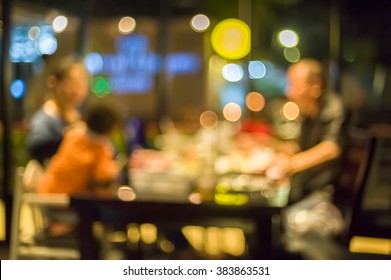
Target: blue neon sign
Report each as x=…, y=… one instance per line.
x=133, y=68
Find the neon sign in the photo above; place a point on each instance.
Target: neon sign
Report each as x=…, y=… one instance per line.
x=133, y=68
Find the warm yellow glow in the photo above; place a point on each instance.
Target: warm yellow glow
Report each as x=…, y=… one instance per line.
x=232, y=112
x=360, y=244
x=148, y=233
x=290, y=111
x=288, y=38
x=199, y=23
x=234, y=241
x=255, y=101
x=208, y=119
x=2, y=222
x=216, y=240
x=231, y=39
x=126, y=193
x=212, y=242
x=133, y=233
x=195, y=235
x=195, y=198
x=126, y=25
x=117, y=236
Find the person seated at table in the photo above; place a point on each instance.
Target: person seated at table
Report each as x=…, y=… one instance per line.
x=68, y=84
x=85, y=159
x=312, y=161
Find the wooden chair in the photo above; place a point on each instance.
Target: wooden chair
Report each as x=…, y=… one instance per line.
x=371, y=206
x=26, y=247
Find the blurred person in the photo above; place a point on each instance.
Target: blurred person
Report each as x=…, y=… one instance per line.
x=84, y=162
x=69, y=88
x=37, y=89
x=86, y=157
x=312, y=160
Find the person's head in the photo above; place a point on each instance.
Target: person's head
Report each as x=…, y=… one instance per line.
x=305, y=83
x=101, y=118
x=69, y=82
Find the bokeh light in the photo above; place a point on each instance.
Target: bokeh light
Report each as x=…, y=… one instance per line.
x=232, y=112
x=126, y=193
x=199, y=23
x=232, y=72
x=273, y=83
x=94, y=63
x=126, y=25
x=209, y=119
x=292, y=54
x=100, y=86
x=290, y=111
x=34, y=32
x=288, y=38
x=59, y=24
x=256, y=70
x=231, y=39
x=47, y=44
x=17, y=88
x=255, y=101
x=148, y=233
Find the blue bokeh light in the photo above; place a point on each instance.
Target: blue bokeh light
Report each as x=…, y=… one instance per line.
x=94, y=63
x=18, y=88
x=256, y=69
x=24, y=49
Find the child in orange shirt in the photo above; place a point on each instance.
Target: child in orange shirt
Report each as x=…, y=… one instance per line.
x=85, y=159
x=84, y=162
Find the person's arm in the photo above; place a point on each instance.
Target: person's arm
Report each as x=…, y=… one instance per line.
x=324, y=151
x=106, y=170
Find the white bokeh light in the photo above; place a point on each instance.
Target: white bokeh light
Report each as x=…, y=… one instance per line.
x=59, y=24
x=232, y=72
x=288, y=38
x=127, y=25
x=200, y=23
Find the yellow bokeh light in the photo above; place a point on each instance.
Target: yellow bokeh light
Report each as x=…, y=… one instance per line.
x=255, y=101
x=126, y=25
x=290, y=111
x=231, y=39
x=232, y=112
x=208, y=119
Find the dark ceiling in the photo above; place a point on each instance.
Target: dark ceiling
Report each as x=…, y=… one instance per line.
x=358, y=18
x=110, y=8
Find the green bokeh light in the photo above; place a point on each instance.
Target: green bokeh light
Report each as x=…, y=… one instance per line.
x=100, y=86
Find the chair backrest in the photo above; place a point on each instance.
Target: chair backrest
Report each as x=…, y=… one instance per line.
x=353, y=154
x=371, y=205
x=24, y=194
x=31, y=174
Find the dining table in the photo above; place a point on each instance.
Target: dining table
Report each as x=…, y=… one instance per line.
x=260, y=208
